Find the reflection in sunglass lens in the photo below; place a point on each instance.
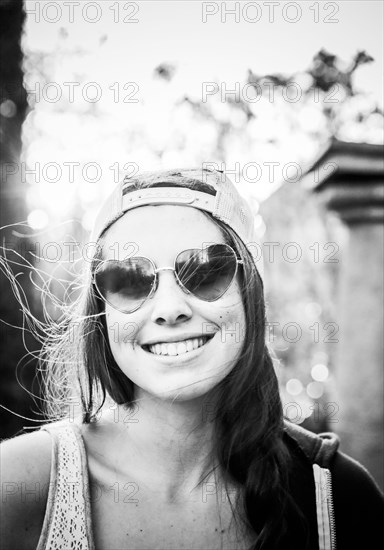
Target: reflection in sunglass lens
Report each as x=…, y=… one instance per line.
x=207, y=273
x=125, y=284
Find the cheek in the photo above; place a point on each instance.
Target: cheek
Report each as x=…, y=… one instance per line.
x=232, y=323
x=121, y=330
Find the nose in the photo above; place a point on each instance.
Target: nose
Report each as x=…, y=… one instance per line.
x=170, y=302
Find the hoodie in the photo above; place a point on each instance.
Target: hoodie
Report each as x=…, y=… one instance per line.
x=342, y=489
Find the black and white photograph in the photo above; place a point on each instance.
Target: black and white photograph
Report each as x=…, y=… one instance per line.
x=191, y=275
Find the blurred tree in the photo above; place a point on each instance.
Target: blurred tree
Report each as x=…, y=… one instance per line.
x=13, y=101
x=13, y=339
x=325, y=84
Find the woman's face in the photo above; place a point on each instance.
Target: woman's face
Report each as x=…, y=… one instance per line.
x=171, y=315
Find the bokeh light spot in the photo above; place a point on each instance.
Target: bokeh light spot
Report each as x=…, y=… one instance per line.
x=315, y=390
x=38, y=219
x=8, y=108
x=319, y=372
x=294, y=386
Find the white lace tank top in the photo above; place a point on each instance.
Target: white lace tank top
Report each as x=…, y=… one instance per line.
x=68, y=522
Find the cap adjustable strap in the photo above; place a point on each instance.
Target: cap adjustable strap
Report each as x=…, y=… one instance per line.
x=168, y=195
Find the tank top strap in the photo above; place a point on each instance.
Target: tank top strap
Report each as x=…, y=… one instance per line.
x=67, y=521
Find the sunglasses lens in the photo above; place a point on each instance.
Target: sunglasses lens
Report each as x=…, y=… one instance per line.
x=125, y=285
x=207, y=273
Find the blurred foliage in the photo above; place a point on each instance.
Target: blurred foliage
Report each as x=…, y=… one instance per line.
x=325, y=88
x=18, y=371
x=13, y=101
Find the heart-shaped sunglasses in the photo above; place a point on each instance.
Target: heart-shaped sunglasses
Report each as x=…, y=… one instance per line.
x=206, y=273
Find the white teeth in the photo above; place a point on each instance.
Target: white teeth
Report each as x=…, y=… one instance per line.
x=171, y=348
x=164, y=349
x=176, y=348
x=181, y=348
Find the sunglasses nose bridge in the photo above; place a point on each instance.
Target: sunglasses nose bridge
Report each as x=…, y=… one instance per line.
x=169, y=268
x=177, y=280
x=164, y=269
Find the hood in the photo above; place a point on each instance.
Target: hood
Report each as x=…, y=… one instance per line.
x=318, y=448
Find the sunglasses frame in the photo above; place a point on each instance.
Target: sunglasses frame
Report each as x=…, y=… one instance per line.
x=156, y=270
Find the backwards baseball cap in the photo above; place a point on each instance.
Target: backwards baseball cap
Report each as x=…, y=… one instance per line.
x=226, y=204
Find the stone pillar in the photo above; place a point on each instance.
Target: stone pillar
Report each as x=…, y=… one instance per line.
x=349, y=178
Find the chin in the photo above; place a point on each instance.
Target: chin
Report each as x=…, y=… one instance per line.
x=178, y=393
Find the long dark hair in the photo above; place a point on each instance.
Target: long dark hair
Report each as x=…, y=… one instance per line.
x=248, y=420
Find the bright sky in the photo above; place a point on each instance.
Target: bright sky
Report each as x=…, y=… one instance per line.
x=173, y=31
x=87, y=42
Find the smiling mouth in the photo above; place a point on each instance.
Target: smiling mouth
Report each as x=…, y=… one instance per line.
x=177, y=348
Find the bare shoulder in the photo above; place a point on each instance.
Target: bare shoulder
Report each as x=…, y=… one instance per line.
x=26, y=457
x=25, y=462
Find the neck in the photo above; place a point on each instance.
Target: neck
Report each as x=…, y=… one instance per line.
x=171, y=440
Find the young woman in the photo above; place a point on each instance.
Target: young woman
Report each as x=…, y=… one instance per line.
x=172, y=433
